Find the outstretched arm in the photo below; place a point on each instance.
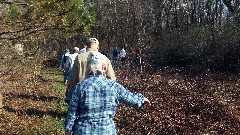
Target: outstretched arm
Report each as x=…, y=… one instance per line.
x=131, y=99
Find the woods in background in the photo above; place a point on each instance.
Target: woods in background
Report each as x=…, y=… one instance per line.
x=188, y=33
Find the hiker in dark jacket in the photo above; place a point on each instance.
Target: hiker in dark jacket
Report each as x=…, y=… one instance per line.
x=64, y=65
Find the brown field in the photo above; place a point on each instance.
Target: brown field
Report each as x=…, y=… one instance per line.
x=205, y=104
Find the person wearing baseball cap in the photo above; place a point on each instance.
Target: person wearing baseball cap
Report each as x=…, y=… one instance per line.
x=75, y=52
x=64, y=65
x=95, y=99
x=79, y=69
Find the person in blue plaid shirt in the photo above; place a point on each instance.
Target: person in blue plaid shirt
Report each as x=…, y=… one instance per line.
x=94, y=102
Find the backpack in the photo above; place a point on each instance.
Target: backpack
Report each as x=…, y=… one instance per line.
x=65, y=58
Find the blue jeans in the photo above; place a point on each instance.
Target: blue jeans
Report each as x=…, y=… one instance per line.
x=115, y=62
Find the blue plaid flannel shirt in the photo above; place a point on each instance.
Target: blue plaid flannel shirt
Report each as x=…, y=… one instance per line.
x=94, y=103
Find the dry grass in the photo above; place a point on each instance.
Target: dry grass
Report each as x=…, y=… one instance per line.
x=32, y=98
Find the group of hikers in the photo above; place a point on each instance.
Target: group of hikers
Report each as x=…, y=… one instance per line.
x=119, y=57
x=92, y=92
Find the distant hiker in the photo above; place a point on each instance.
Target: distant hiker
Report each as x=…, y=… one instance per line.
x=123, y=56
x=138, y=58
x=115, y=57
x=80, y=71
x=83, y=50
x=64, y=65
x=73, y=56
x=95, y=99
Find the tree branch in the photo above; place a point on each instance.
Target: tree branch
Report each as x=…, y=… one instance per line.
x=229, y=5
x=29, y=33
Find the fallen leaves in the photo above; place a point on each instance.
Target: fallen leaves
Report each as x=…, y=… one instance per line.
x=180, y=104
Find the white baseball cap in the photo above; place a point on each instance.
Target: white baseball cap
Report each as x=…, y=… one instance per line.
x=76, y=48
x=96, y=62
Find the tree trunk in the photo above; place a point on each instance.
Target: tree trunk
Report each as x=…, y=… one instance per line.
x=1, y=97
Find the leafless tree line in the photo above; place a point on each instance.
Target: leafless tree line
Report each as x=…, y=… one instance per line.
x=178, y=32
x=175, y=31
